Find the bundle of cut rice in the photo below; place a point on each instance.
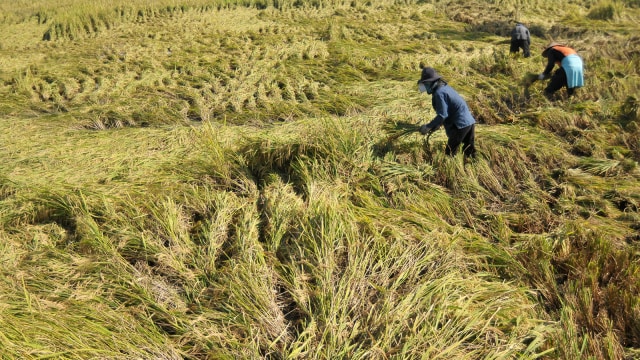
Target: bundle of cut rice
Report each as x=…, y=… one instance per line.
x=529, y=79
x=399, y=129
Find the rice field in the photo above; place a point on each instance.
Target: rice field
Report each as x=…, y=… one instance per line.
x=189, y=179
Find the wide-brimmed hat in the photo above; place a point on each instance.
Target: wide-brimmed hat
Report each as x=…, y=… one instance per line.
x=429, y=74
x=546, y=49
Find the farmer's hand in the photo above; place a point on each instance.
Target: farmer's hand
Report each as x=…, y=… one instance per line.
x=424, y=129
x=541, y=76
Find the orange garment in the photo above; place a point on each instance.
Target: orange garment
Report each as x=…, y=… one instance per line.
x=565, y=50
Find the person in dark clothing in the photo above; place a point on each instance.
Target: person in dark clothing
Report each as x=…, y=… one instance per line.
x=451, y=111
x=520, y=39
x=569, y=73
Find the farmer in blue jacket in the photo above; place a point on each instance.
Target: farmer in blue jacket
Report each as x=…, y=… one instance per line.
x=452, y=112
x=520, y=39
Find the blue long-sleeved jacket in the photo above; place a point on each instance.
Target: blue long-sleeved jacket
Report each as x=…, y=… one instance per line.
x=451, y=109
x=520, y=32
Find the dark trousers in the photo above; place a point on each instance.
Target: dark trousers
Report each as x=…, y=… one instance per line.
x=466, y=136
x=557, y=82
x=516, y=45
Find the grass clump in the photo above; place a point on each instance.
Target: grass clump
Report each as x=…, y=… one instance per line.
x=606, y=10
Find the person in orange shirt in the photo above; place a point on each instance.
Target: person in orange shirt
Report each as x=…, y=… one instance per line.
x=569, y=73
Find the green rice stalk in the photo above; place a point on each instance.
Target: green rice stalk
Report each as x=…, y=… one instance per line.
x=601, y=167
